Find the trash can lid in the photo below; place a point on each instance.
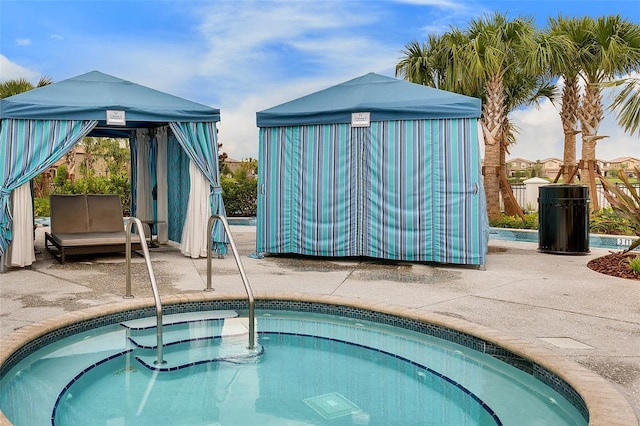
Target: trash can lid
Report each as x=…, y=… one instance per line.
x=564, y=191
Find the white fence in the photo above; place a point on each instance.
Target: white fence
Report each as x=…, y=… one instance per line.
x=520, y=193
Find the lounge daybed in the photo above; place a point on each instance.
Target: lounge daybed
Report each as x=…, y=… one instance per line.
x=87, y=224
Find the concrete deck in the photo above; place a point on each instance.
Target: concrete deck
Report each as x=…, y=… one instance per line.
x=551, y=308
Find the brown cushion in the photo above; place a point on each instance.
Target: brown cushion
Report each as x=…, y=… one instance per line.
x=105, y=213
x=94, y=239
x=68, y=214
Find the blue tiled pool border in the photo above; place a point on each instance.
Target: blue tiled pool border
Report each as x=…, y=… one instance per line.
x=614, y=242
x=537, y=371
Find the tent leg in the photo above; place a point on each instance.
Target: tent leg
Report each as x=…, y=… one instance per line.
x=2, y=268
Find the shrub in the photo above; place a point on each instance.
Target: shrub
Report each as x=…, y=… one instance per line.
x=117, y=184
x=606, y=221
x=61, y=175
x=634, y=264
x=530, y=222
x=240, y=196
x=626, y=204
x=41, y=207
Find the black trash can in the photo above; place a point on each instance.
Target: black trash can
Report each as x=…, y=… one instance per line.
x=563, y=219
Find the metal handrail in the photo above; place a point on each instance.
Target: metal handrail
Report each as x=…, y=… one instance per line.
x=243, y=275
x=152, y=277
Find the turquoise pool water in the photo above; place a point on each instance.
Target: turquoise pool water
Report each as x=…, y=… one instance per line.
x=614, y=242
x=308, y=369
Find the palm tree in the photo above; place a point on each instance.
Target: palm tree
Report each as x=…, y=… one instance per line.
x=422, y=64
x=487, y=63
x=20, y=85
x=564, y=47
x=627, y=105
x=614, y=49
x=486, y=60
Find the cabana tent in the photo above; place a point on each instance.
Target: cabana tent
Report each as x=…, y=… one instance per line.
x=374, y=167
x=173, y=144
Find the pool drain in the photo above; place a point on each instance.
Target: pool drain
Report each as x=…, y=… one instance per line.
x=332, y=405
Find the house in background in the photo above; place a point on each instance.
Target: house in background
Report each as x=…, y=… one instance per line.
x=610, y=168
x=549, y=167
x=518, y=166
x=230, y=166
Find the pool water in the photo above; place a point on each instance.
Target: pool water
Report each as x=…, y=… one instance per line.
x=307, y=369
x=614, y=242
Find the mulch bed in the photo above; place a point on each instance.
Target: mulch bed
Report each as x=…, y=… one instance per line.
x=615, y=264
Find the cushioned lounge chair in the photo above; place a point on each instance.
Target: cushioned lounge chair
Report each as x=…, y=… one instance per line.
x=87, y=224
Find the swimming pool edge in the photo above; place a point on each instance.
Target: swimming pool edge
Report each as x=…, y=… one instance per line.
x=605, y=404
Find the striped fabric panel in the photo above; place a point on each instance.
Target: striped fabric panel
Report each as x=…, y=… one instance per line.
x=406, y=190
x=27, y=148
x=178, y=187
x=327, y=198
x=461, y=219
x=200, y=142
x=133, y=159
x=273, y=223
x=397, y=200
x=424, y=202
x=306, y=186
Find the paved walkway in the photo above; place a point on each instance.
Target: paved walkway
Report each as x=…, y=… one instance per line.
x=551, y=302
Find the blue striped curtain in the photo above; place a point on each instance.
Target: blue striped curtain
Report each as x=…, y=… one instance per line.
x=275, y=190
x=327, y=191
x=423, y=199
x=307, y=191
x=397, y=196
x=133, y=150
x=27, y=148
x=405, y=190
x=200, y=141
x=178, y=187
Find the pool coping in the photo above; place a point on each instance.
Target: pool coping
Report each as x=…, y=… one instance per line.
x=606, y=405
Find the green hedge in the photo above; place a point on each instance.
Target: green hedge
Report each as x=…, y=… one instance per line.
x=240, y=197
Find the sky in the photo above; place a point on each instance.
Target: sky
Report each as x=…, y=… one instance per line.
x=247, y=56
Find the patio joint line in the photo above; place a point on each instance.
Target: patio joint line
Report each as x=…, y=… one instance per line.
x=556, y=309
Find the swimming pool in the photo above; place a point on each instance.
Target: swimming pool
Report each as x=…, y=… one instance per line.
x=614, y=242
x=317, y=364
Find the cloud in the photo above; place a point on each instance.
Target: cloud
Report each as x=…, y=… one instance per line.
x=23, y=41
x=242, y=43
x=57, y=37
x=443, y=4
x=251, y=50
x=541, y=135
x=13, y=71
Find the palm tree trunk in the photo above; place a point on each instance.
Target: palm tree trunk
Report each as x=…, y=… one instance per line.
x=70, y=161
x=569, y=117
x=493, y=120
x=511, y=206
x=492, y=124
x=491, y=177
x=591, y=115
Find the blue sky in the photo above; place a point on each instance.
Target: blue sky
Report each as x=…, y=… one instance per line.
x=246, y=56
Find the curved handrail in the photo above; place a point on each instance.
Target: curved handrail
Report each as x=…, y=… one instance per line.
x=243, y=275
x=152, y=277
